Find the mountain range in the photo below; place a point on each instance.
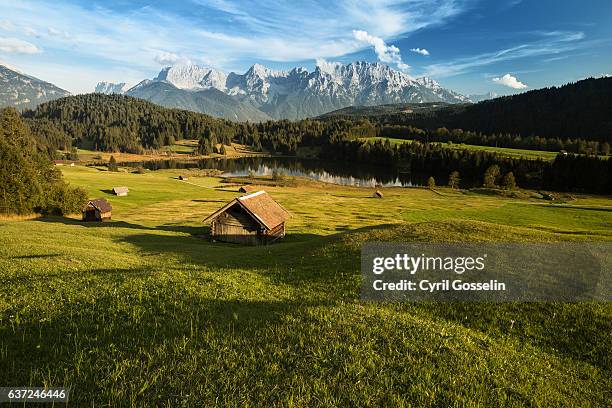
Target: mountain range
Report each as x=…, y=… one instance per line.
x=23, y=91
x=262, y=93
x=257, y=95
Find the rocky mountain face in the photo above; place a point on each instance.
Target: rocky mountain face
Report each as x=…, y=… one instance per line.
x=111, y=88
x=23, y=91
x=295, y=94
x=210, y=101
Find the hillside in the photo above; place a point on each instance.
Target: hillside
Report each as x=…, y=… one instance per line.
x=577, y=110
x=22, y=91
x=211, y=101
x=118, y=122
x=283, y=325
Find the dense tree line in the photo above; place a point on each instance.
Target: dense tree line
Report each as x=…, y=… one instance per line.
x=435, y=160
x=552, y=144
x=119, y=123
x=28, y=181
x=580, y=110
x=565, y=173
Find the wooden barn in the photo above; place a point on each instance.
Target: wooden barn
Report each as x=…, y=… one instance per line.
x=378, y=194
x=254, y=219
x=97, y=210
x=121, y=191
x=246, y=189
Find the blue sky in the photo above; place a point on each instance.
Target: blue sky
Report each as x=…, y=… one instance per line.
x=470, y=46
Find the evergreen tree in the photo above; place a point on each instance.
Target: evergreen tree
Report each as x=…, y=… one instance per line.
x=454, y=180
x=28, y=181
x=112, y=164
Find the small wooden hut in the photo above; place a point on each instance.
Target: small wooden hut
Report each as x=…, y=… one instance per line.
x=253, y=219
x=378, y=194
x=121, y=191
x=246, y=189
x=97, y=210
x=181, y=177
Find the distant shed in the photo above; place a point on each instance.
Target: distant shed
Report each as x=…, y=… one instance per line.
x=121, y=191
x=253, y=219
x=378, y=194
x=97, y=210
x=246, y=189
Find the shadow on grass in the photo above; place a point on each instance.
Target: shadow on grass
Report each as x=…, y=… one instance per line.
x=302, y=261
x=579, y=331
x=88, y=343
x=35, y=256
x=92, y=224
x=182, y=229
x=229, y=191
x=210, y=201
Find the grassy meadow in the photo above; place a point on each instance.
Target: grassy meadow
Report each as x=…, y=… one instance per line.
x=145, y=311
x=186, y=149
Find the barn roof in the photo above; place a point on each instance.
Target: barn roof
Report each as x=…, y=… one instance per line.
x=101, y=204
x=260, y=206
x=121, y=190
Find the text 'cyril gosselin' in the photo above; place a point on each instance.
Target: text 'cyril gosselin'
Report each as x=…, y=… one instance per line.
x=413, y=264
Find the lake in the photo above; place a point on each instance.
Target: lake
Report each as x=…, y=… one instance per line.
x=342, y=173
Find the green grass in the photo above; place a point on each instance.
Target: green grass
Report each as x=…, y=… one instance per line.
x=139, y=311
x=504, y=151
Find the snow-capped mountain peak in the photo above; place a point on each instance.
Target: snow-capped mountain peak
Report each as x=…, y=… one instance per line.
x=189, y=76
x=111, y=88
x=298, y=93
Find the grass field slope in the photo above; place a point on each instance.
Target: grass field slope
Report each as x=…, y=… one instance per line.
x=144, y=311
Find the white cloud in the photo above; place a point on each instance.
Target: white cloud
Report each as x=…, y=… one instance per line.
x=17, y=46
x=328, y=66
x=509, y=81
x=546, y=43
x=166, y=58
x=54, y=32
x=6, y=25
x=224, y=32
x=386, y=53
x=422, y=51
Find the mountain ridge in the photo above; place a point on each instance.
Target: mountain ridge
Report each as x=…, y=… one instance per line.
x=292, y=94
x=23, y=91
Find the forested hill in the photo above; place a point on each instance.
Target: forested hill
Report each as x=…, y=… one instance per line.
x=577, y=110
x=118, y=123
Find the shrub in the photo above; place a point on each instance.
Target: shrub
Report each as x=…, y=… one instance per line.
x=508, y=181
x=431, y=182
x=277, y=175
x=490, y=176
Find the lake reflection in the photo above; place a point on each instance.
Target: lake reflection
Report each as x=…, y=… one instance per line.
x=342, y=173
